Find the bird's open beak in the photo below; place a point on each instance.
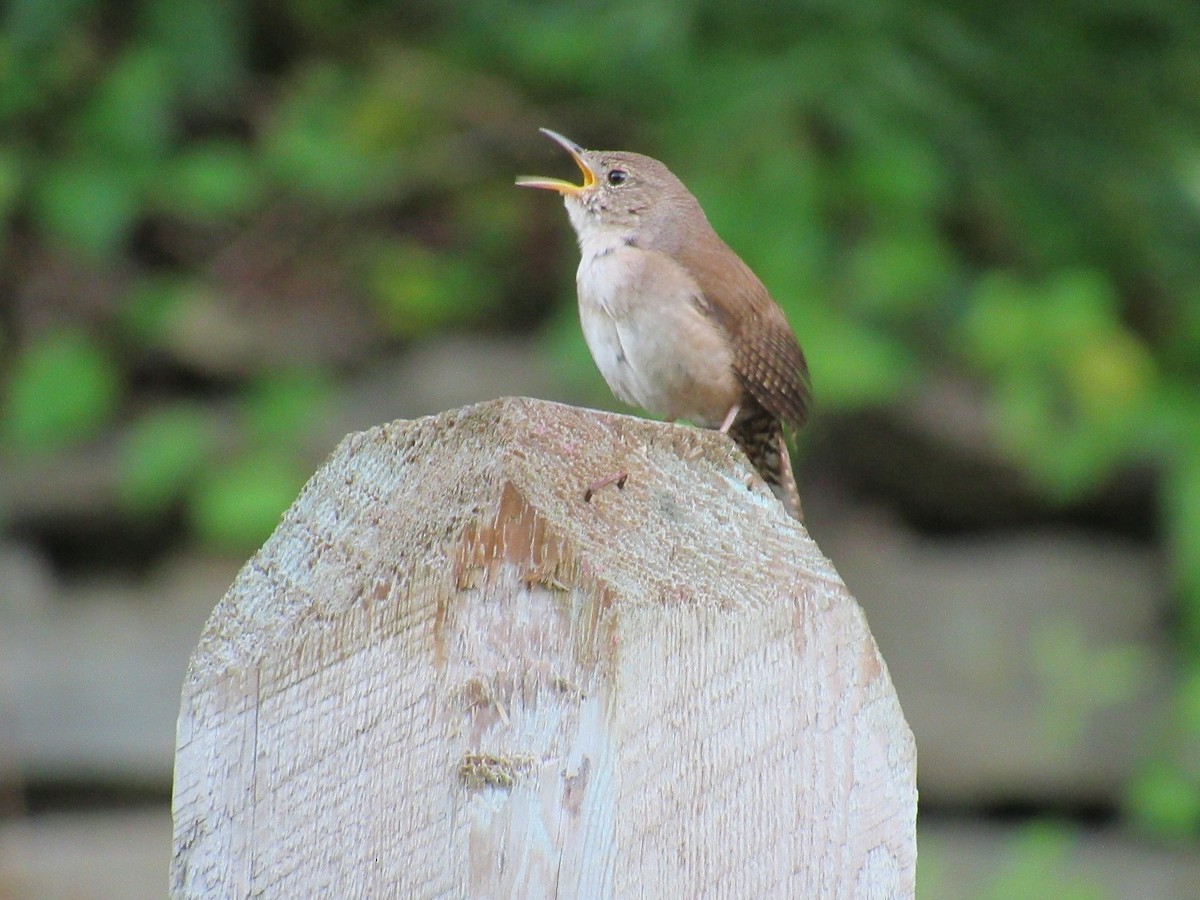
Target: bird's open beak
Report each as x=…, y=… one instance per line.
x=557, y=184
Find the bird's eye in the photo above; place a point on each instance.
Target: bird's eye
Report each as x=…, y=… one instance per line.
x=617, y=176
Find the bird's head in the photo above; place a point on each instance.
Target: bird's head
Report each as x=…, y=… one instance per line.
x=629, y=194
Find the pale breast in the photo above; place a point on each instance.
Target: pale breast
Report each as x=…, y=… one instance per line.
x=652, y=343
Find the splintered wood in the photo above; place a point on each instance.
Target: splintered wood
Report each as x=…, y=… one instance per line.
x=447, y=675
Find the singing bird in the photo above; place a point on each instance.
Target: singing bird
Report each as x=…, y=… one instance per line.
x=676, y=322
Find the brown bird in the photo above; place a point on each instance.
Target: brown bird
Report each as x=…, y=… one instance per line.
x=676, y=322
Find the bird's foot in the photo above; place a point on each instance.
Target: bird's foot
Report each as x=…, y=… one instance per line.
x=729, y=417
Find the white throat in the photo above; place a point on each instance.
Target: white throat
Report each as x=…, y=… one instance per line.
x=594, y=236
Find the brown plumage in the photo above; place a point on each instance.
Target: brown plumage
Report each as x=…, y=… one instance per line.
x=676, y=322
x=767, y=359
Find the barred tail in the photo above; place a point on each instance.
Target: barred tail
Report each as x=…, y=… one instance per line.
x=760, y=435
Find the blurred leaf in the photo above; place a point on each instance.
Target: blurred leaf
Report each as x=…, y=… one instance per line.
x=34, y=79
x=1038, y=868
x=855, y=366
x=162, y=455
x=130, y=116
x=997, y=326
x=896, y=274
x=314, y=147
x=1011, y=322
x=282, y=407
x=203, y=44
x=211, y=182
x=35, y=23
x=90, y=207
x=1074, y=390
x=1066, y=456
x=151, y=308
x=899, y=175
x=1188, y=703
x=12, y=177
x=1181, y=507
x=572, y=47
x=191, y=322
x=62, y=388
x=415, y=290
x=1080, y=678
x=492, y=213
x=1111, y=375
x=1164, y=802
x=236, y=507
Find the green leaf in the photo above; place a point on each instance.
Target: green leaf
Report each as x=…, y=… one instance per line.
x=88, y=205
x=211, y=181
x=204, y=44
x=13, y=167
x=131, y=115
x=63, y=388
x=853, y=365
x=1080, y=677
x=899, y=273
x=1181, y=504
x=900, y=176
x=284, y=406
x=1111, y=375
x=1076, y=306
x=152, y=307
x=416, y=290
x=999, y=322
x=1164, y=801
x=1067, y=454
x=1038, y=868
x=237, y=507
x=35, y=23
x=313, y=145
x=1187, y=702
x=162, y=454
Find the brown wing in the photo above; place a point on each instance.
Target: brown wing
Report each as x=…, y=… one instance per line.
x=766, y=356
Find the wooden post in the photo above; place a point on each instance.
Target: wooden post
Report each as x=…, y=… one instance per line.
x=447, y=675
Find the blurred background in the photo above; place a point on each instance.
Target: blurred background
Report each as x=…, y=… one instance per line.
x=235, y=231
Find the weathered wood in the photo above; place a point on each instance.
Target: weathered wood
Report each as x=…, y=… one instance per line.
x=446, y=674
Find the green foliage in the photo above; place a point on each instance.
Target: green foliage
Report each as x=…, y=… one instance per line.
x=1072, y=384
x=926, y=186
x=1164, y=797
x=237, y=506
x=1039, y=862
x=163, y=454
x=205, y=44
x=1037, y=869
x=319, y=144
x=861, y=365
x=180, y=455
x=1165, y=800
x=153, y=306
x=281, y=407
x=1182, y=515
x=90, y=207
x=415, y=290
x=213, y=181
x=1078, y=679
x=62, y=388
x=12, y=173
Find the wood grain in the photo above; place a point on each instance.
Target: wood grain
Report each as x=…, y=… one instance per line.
x=445, y=675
